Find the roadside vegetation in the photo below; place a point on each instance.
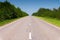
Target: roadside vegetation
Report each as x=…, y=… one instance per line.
x=7, y=21
x=52, y=16
x=53, y=21
x=8, y=12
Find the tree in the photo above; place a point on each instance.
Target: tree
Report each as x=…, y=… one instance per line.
x=9, y=11
x=43, y=12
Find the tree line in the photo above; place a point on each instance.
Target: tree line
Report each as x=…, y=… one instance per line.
x=9, y=11
x=44, y=12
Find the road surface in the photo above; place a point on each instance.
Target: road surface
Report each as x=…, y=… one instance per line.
x=21, y=28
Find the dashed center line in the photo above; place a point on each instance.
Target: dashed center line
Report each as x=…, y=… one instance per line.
x=30, y=36
x=30, y=24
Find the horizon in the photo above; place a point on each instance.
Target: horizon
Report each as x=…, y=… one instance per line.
x=31, y=6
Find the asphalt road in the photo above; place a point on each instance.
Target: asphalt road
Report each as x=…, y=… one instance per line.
x=29, y=28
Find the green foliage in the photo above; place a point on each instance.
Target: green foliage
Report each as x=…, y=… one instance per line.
x=9, y=11
x=55, y=13
x=53, y=21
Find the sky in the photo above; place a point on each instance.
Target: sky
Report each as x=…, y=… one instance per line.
x=31, y=6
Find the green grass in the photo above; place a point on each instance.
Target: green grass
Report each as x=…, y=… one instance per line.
x=7, y=21
x=53, y=21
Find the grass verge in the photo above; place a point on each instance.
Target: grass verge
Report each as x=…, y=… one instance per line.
x=7, y=21
x=53, y=21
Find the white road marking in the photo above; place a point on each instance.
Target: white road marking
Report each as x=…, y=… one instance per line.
x=30, y=24
x=30, y=35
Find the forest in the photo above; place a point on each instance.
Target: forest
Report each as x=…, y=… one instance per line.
x=45, y=12
x=9, y=11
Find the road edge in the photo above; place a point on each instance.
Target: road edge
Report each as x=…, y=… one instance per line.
x=49, y=23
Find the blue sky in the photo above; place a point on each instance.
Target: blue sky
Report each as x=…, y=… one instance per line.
x=31, y=6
